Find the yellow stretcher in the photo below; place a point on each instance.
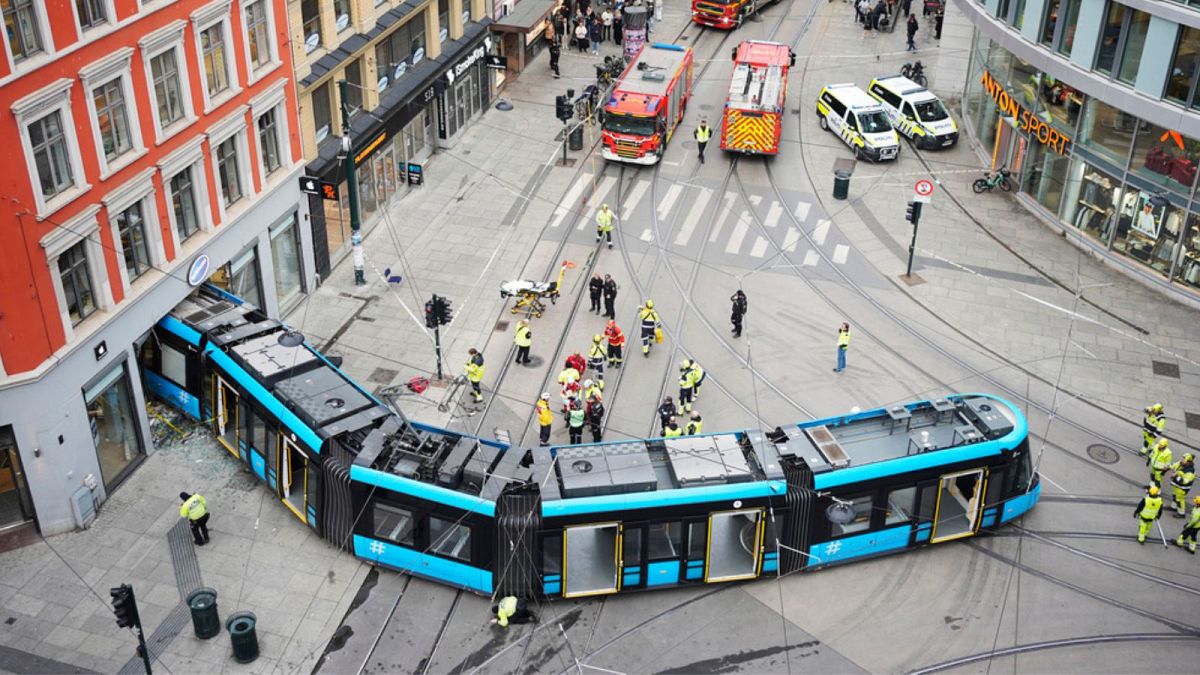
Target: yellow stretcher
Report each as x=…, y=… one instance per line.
x=530, y=294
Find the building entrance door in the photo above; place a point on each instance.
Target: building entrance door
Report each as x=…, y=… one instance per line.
x=16, y=508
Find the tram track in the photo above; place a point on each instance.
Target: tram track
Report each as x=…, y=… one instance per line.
x=1030, y=647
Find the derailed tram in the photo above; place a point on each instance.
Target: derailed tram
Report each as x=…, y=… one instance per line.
x=574, y=521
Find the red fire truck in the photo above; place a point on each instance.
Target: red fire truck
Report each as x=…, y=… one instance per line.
x=753, y=118
x=647, y=104
x=726, y=13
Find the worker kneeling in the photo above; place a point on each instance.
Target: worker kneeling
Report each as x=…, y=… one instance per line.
x=510, y=609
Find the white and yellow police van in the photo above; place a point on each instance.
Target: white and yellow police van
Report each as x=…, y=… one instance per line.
x=860, y=121
x=915, y=111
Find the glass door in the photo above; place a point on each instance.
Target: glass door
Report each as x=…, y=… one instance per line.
x=960, y=496
x=734, y=545
x=592, y=556
x=15, y=505
x=225, y=421
x=292, y=473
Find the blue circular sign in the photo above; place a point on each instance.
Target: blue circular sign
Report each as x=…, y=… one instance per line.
x=198, y=272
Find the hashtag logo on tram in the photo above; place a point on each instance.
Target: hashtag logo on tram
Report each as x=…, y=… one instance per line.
x=377, y=548
x=833, y=547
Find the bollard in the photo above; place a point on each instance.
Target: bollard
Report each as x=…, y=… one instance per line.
x=242, y=636
x=205, y=620
x=576, y=139
x=841, y=184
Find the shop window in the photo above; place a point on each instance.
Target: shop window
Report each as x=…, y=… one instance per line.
x=1062, y=104
x=285, y=256
x=862, y=506
x=322, y=111
x=1107, y=130
x=337, y=220
x=1148, y=229
x=1110, y=38
x=1093, y=201
x=1134, y=41
x=1187, y=268
x=1165, y=157
x=449, y=538
x=1181, y=86
x=114, y=429
x=1026, y=83
x=1045, y=176
x=394, y=524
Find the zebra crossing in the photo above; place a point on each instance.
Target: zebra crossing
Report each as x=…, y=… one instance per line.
x=689, y=212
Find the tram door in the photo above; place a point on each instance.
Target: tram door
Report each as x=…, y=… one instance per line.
x=292, y=473
x=734, y=545
x=959, y=504
x=225, y=403
x=591, y=559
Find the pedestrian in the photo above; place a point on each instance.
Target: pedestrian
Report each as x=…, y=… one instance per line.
x=1148, y=510
x=1188, y=535
x=685, y=386
x=596, y=357
x=512, y=610
x=523, y=339
x=474, y=368
x=618, y=22
x=606, y=22
x=575, y=421
x=595, y=290
x=581, y=36
x=1183, y=474
x=666, y=412
x=610, y=297
x=924, y=7
x=651, y=326
x=1160, y=461
x=864, y=12
x=694, y=424
x=555, y=52
x=1153, y=427
x=858, y=11
x=596, y=33
x=937, y=23
x=616, y=344
x=672, y=429
x=702, y=134
x=907, y=7
x=698, y=376
x=195, y=509
x=911, y=30
x=650, y=6
x=843, y=344
x=545, y=419
x=604, y=224
x=740, y=307
x=595, y=418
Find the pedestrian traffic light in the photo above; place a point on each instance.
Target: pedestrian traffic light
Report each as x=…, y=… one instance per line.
x=441, y=310
x=430, y=314
x=562, y=108
x=913, y=213
x=124, y=606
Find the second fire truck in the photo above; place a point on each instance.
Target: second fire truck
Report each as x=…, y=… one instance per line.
x=726, y=13
x=753, y=119
x=647, y=104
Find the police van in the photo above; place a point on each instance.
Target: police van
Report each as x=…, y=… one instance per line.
x=860, y=121
x=915, y=111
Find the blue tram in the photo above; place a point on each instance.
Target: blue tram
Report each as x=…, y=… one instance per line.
x=583, y=520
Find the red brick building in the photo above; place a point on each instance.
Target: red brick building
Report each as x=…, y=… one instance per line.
x=149, y=145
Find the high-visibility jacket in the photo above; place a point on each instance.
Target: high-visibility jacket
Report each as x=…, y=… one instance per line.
x=576, y=417
x=596, y=354
x=649, y=318
x=1160, y=460
x=843, y=339
x=1154, y=423
x=685, y=379
x=474, y=368
x=694, y=426
x=671, y=432
x=545, y=417
x=1194, y=521
x=194, y=508
x=604, y=220
x=593, y=391
x=615, y=337
x=1150, y=508
x=568, y=374
x=506, y=608
x=1183, y=475
x=524, y=336
x=697, y=373
x=703, y=133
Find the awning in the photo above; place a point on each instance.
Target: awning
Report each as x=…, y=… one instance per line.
x=527, y=15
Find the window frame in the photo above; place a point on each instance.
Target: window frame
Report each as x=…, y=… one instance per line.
x=189, y=156
x=273, y=99
x=117, y=66
x=74, y=273
x=265, y=142
x=255, y=72
x=305, y=43
x=55, y=97
x=454, y=526
x=312, y=96
x=215, y=14
x=233, y=128
x=391, y=509
x=154, y=45
x=1190, y=100
x=105, y=6
x=45, y=38
x=137, y=190
x=84, y=227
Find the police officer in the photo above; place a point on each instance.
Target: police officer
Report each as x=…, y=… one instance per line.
x=740, y=307
x=650, y=324
x=595, y=418
x=1153, y=427
x=1160, y=461
x=843, y=344
x=1183, y=474
x=702, y=134
x=523, y=339
x=610, y=297
x=1148, y=510
x=474, y=368
x=686, y=381
x=596, y=357
x=672, y=430
x=1188, y=535
x=575, y=421
x=604, y=224
x=195, y=509
x=666, y=411
x=616, y=344
x=545, y=418
x=595, y=289
x=512, y=610
x=694, y=424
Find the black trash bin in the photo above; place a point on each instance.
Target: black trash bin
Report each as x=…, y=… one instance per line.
x=841, y=184
x=576, y=139
x=205, y=620
x=242, y=636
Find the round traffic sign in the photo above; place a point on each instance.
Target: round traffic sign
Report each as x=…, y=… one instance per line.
x=923, y=188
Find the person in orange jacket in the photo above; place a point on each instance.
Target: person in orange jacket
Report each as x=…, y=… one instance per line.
x=616, y=344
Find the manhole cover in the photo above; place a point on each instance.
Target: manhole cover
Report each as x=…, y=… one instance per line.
x=1165, y=369
x=1103, y=454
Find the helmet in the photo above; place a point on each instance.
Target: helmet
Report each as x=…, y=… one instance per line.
x=649, y=304
x=597, y=337
x=1153, y=490
x=587, y=384
x=1162, y=443
x=1187, y=457
x=1196, y=501
x=695, y=414
x=685, y=364
x=604, y=206
x=1157, y=407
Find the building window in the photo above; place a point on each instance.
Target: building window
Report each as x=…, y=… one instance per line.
x=443, y=19
x=240, y=277
x=1135, y=40
x=51, y=154
x=112, y=119
x=1051, y=22
x=354, y=96
x=76, y=284
x=258, y=35
x=131, y=229
x=1066, y=32
x=322, y=112
x=216, y=68
x=1181, y=85
x=310, y=15
x=21, y=25
x=1110, y=39
x=341, y=14
x=114, y=431
x=268, y=141
x=1018, y=14
x=285, y=256
x=183, y=204
x=92, y=13
x=164, y=68
x=228, y=171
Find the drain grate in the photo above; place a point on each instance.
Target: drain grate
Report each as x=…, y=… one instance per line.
x=1192, y=420
x=1103, y=454
x=1166, y=369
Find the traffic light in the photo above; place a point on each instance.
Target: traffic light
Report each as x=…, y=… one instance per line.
x=913, y=213
x=430, y=314
x=124, y=606
x=562, y=108
x=441, y=310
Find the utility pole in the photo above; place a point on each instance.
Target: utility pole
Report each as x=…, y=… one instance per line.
x=912, y=215
x=360, y=278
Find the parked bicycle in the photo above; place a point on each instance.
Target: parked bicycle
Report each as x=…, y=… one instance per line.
x=1000, y=178
x=916, y=72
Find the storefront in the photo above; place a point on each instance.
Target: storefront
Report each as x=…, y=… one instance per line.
x=521, y=32
x=1119, y=184
x=424, y=106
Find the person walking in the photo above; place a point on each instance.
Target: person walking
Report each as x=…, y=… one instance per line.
x=1153, y=427
x=523, y=339
x=195, y=509
x=685, y=386
x=864, y=9
x=475, y=370
x=510, y=609
x=740, y=307
x=596, y=33
x=937, y=23
x=1183, y=474
x=1160, y=461
x=698, y=376
x=672, y=429
x=545, y=418
x=595, y=418
x=907, y=4
x=596, y=356
x=616, y=344
x=1148, y=510
x=702, y=134
x=651, y=326
x=610, y=297
x=575, y=420
x=694, y=424
x=858, y=11
x=666, y=412
x=911, y=29
x=604, y=224
x=606, y=23
x=595, y=290
x=555, y=52
x=1188, y=535
x=843, y=344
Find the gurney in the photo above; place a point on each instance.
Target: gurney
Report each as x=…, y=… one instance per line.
x=530, y=295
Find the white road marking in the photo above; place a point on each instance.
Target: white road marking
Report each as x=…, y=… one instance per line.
x=739, y=233
x=635, y=196
x=1043, y=476
x=596, y=200
x=791, y=239
x=693, y=217
x=840, y=254
x=569, y=202
x=755, y=200
x=646, y=236
x=759, y=249
x=1082, y=349
x=774, y=214
x=820, y=232
x=668, y=201
x=716, y=231
x=810, y=258
x=802, y=211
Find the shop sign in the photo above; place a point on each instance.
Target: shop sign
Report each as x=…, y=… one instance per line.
x=441, y=112
x=462, y=66
x=365, y=152
x=497, y=62
x=1028, y=122
x=416, y=174
x=382, y=83
x=399, y=70
x=418, y=55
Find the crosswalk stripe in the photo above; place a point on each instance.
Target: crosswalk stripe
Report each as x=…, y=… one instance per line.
x=720, y=222
x=760, y=248
x=755, y=199
x=791, y=239
x=569, y=201
x=802, y=211
x=669, y=200
x=596, y=200
x=840, y=253
x=693, y=217
x=739, y=233
x=646, y=236
x=820, y=232
x=810, y=258
x=639, y=191
x=774, y=214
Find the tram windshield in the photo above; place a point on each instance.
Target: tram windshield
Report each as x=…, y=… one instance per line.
x=621, y=123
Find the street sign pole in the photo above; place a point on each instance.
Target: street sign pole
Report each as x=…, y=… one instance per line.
x=437, y=349
x=912, y=245
x=356, y=249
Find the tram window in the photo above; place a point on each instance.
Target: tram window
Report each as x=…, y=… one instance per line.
x=174, y=363
x=928, y=504
x=697, y=535
x=997, y=479
x=900, y=505
x=394, y=524
x=664, y=540
x=1024, y=470
x=862, y=506
x=632, y=551
x=269, y=451
x=552, y=554
x=259, y=437
x=312, y=487
x=449, y=538
x=245, y=424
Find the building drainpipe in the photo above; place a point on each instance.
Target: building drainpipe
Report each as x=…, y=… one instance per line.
x=352, y=186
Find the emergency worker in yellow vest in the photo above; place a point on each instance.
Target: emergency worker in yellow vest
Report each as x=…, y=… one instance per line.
x=474, y=368
x=523, y=340
x=686, y=384
x=195, y=509
x=702, y=134
x=694, y=425
x=1148, y=510
x=604, y=224
x=1183, y=474
x=512, y=610
x=1188, y=536
x=673, y=429
x=698, y=376
x=843, y=345
x=596, y=357
x=1160, y=461
x=545, y=418
x=1153, y=427
x=650, y=325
